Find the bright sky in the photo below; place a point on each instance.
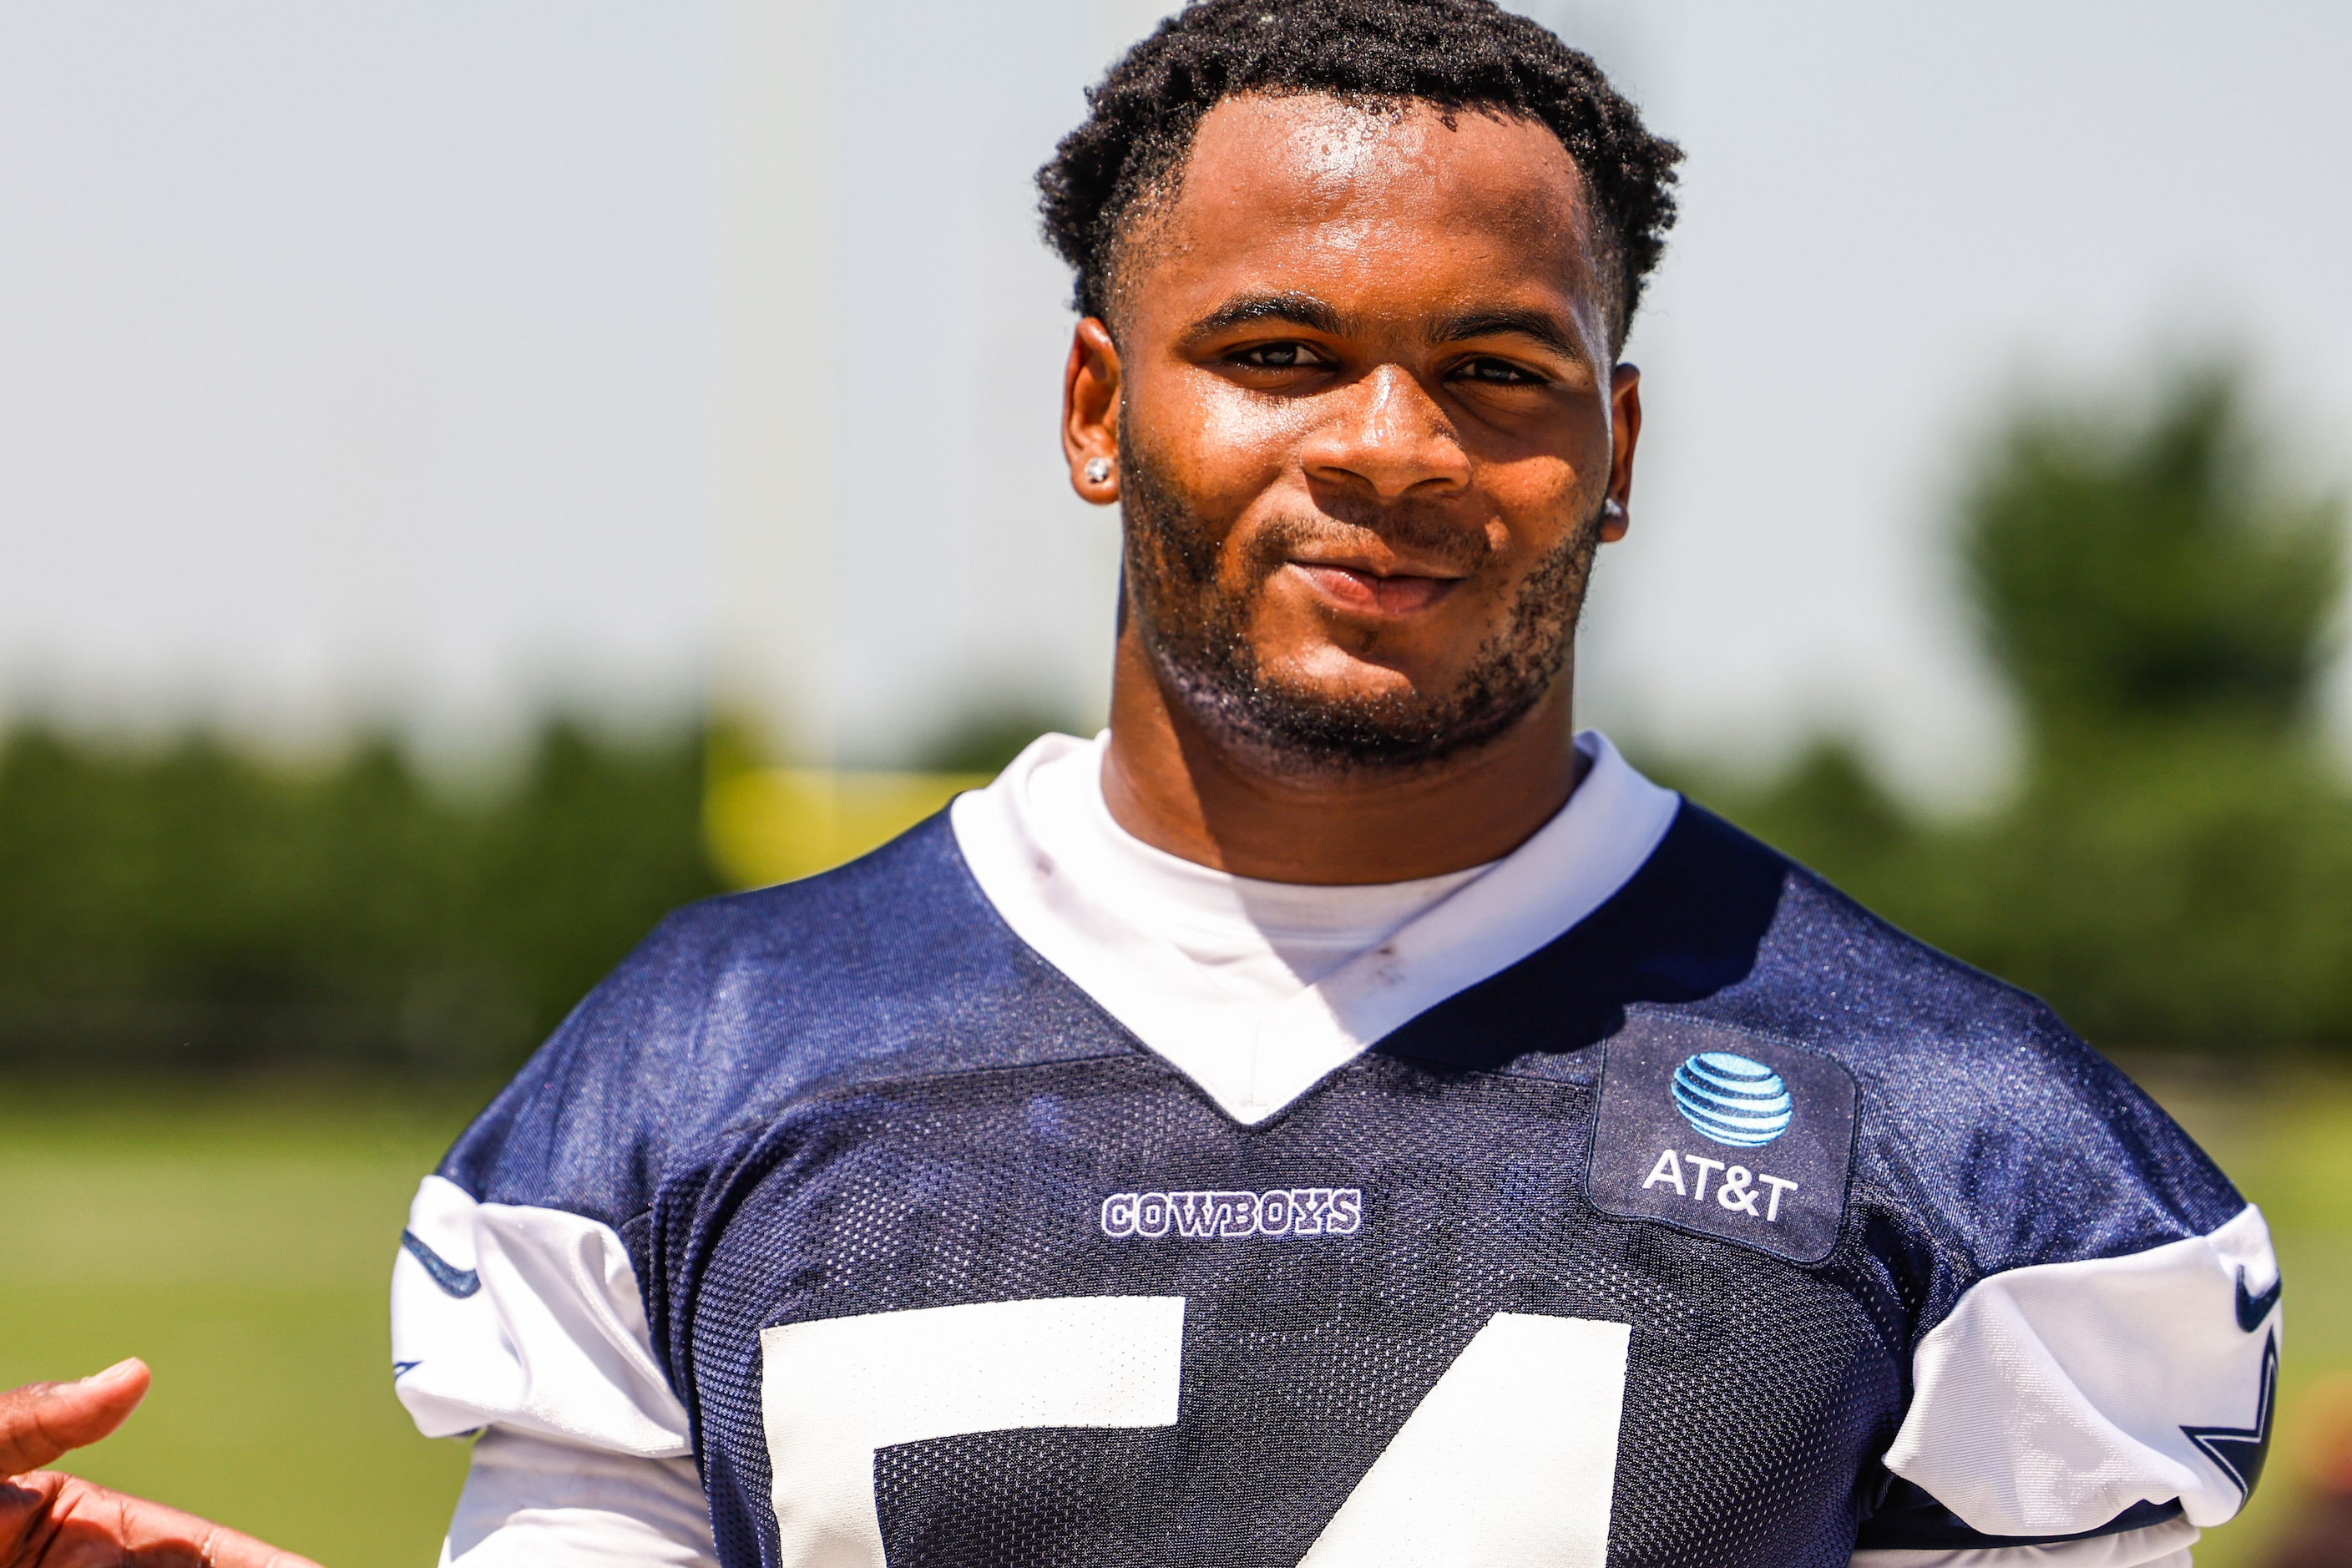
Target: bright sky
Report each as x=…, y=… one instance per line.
x=365, y=359
x=354, y=357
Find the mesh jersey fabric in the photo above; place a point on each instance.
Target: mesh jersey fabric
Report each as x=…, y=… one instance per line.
x=862, y=1094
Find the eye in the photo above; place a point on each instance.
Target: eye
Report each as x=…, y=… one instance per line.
x=1277, y=356
x=1496, y=372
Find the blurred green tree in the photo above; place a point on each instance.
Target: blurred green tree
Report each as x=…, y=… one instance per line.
x=2152, y=574
x=195, y=909
x=2175, y=866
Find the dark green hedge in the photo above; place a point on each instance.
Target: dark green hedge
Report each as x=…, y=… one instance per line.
x=197, y=909
x=2192, y=893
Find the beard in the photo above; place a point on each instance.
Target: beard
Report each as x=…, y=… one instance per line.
x=1196, y=631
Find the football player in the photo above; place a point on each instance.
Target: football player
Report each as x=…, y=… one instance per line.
x=1342, y=1116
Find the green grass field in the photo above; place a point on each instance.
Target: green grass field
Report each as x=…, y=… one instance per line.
x=241, y=1243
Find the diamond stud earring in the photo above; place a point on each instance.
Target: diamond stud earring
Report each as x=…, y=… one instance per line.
x=1097, y=469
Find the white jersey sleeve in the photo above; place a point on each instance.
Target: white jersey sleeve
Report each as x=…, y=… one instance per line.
x=2056, y=1398
x=2164, y=1546
x=527, y=1319
x=2095, y=1413
x=526, y=1325
x=530, y=1502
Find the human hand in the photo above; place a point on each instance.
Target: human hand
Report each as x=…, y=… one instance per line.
x=52, y=1520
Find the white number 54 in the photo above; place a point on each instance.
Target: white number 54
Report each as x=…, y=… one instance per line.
x=1510, y=1460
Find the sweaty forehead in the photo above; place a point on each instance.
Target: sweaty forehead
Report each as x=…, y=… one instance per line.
x=1299, y=190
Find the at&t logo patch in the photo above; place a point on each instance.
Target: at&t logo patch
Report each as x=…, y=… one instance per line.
x=1731, y=1135
x=1205, y=1216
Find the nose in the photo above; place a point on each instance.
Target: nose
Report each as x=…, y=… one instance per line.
x=1386, y=434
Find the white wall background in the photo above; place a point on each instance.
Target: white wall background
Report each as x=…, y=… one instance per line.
x=442, y=359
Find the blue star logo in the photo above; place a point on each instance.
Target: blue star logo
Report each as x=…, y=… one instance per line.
x=2239, y=1451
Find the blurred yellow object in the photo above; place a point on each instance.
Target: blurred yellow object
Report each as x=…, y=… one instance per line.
x=2320, y=1436
x=774, y=825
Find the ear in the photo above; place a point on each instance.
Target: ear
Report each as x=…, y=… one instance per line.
x=1624, y=435
x=1090, y=412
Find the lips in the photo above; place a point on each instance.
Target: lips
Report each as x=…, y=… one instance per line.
x=1369, y=593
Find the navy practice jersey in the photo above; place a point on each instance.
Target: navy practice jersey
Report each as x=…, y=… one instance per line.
x=1732, y=1228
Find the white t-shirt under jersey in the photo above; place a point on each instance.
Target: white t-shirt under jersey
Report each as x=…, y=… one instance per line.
x=1257, y=991
x=1259, y=942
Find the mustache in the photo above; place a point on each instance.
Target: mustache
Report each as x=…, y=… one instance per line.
x=1423, y=532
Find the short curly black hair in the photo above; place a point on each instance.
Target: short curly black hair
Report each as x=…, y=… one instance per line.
x=1452, y=54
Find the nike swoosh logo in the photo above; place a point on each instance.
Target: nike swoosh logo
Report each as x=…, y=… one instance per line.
x=463, y=1282
x=2253, y=1309
x=400, y=1369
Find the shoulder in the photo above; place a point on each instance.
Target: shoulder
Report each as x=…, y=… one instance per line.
x=735, y=1004
x=2008, y=1134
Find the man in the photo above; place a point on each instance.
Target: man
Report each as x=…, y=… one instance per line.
x=1341, y=1117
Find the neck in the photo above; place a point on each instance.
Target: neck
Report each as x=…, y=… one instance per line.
x=1178, y=786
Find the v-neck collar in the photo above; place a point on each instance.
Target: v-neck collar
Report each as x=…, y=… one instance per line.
x=1254, y=1061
